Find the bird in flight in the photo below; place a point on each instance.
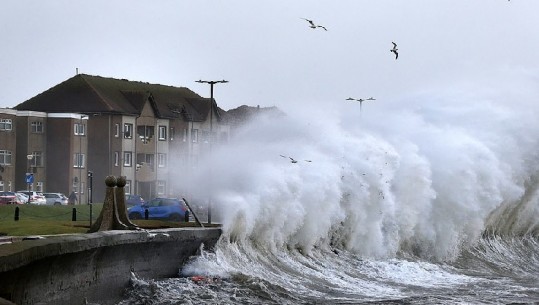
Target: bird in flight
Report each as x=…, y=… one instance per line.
x=394, y=50
x=314, y=26
x=292, y=160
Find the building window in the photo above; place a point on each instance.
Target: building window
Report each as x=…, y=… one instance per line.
x=128, y=158
x=5, y=157
x=171, y=133
x=2, y=186
x=161, y=160
x=37, y=159
x=194, y=135
x=39, y=186
x=36, y=127
x=127, y=187
x=128, y=131
x=147, y=159
x=80, y=129
x=116, y=130
x=6, y=124
x=116, y=158
x=145, y=133
x=161, y=187
x=78, y=160
x=162, y=133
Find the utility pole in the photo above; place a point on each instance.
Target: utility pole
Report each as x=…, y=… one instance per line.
x=211, y=82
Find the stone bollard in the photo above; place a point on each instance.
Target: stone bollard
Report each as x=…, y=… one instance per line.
x=120, y=203
x=108, y=219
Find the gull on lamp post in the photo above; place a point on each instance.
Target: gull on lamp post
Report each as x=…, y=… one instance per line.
x=211, y=82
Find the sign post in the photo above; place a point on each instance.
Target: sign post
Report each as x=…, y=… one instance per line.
x=29, y=181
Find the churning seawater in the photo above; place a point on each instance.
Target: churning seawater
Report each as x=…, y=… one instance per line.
x=429, y=200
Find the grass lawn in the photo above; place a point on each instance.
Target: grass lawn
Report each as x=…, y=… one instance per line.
x=47, y=220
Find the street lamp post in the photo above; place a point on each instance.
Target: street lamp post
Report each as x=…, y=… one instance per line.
x=90, y=182
x=211, y=82
x=81, y=132
x=90, y=186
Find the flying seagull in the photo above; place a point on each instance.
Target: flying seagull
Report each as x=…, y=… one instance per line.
x=292, y=160
x=314, y=26
x=394, y=50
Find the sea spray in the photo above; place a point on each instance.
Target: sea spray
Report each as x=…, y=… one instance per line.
x=416, y=177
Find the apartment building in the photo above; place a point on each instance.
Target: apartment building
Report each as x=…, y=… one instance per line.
x=8, y=142
x=50, y=147
x=149, y=133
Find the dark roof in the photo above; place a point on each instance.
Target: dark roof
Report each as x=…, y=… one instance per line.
x=95, y=94
x=243, y=114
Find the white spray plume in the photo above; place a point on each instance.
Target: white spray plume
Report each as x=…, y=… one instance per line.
x=419, y=174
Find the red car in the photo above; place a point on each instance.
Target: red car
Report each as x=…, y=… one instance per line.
x=11, y=198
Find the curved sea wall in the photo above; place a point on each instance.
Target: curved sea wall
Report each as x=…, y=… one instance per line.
x=95, y=267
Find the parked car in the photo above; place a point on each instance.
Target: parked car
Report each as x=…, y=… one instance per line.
x=11, y=198
x=159, y=208
x=55, y=198
x=23, y=196
x=131, y=200
x=35, y=197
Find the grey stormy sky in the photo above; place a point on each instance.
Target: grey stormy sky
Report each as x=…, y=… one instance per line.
x=265, y=50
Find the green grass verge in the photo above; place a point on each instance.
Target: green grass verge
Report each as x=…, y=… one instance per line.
x=48, y=220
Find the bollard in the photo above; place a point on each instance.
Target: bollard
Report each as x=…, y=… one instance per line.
x=146, y=214
x=186, y=217
x=16, y=213
x=74, y=215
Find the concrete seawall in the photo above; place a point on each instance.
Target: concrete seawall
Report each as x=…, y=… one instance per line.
x=96, y=267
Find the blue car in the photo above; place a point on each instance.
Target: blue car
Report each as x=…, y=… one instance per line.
x=131, y=199
x=159, y=208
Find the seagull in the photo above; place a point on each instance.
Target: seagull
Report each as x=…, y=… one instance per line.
x=314, y=26
x=394, y=50
x=291, y=159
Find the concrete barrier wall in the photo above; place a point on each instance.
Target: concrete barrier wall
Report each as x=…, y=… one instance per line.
x=96, y=267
